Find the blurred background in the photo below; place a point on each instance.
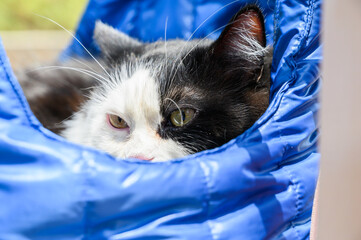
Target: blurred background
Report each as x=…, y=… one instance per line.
x=31, y=40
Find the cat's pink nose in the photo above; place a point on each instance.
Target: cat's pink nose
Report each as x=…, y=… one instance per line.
x=141, y=157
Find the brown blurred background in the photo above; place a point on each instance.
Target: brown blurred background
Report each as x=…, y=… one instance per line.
x=30, y=40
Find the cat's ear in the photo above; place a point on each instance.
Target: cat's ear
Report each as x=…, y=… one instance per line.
x=242, y=44
x=111, y=41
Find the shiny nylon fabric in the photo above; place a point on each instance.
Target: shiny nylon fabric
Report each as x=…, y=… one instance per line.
x=258, y=186
x=152, y=20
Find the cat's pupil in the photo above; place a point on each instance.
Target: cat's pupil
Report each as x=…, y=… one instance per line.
x=176, y=118
x=179, y=118
x=117, y=121
x=182, y=115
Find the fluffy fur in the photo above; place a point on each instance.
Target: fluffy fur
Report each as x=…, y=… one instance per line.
x=224, y=83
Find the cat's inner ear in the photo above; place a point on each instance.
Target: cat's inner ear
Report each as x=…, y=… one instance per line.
x=243, y=37
x=112, y=41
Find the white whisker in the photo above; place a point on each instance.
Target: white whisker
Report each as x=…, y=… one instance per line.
x=200, y=25
x=85, y=71
x=71, y=34
x=165, y=44
x=82, y=63
x=210, y=16
x=180, y=112
x=196, y=45
x=61, y=123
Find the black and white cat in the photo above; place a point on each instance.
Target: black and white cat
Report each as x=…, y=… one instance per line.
x=162, y=100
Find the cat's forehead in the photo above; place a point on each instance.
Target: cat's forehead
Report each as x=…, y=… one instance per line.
x=173, y=48
x=135, y=98
x=161, y=57
x=162, y=64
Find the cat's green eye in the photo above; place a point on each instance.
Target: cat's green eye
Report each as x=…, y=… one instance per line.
x=179, y=118
x=117, y=122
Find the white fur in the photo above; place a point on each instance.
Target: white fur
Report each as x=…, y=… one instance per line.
x=135, y=99
x=247, y=44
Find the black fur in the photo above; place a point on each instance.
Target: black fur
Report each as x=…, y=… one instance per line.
x=228, y=89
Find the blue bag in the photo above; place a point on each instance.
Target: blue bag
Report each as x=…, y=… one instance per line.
x=258, y=186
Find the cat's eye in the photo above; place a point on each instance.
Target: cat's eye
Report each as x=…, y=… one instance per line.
x=181, y=117
x=117, y=122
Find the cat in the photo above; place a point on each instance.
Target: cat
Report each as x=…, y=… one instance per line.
x=158, y=101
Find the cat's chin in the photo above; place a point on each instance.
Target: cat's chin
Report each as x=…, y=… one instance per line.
x=151, y=159
x=141, y=157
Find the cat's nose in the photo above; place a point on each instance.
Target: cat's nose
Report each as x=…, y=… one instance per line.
x=141, y=157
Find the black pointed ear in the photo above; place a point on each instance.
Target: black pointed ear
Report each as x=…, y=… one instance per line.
x=242, y=44
x=112, y=41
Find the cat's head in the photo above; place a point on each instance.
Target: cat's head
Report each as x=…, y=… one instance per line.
x=165, y=100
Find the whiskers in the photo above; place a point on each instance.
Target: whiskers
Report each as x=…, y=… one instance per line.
x=165, y=44
x=202, y=40
x=196, y=142
x=180, y=111
x=62, y=124
x=82, y=63
x=181, y=59
x=76, y=39
x=92, y=74
x=209, y=17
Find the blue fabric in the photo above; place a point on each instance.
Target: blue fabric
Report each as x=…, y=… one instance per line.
x=152, y=20
x=258, y=186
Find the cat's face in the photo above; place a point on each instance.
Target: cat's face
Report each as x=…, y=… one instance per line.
x=165, y=100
